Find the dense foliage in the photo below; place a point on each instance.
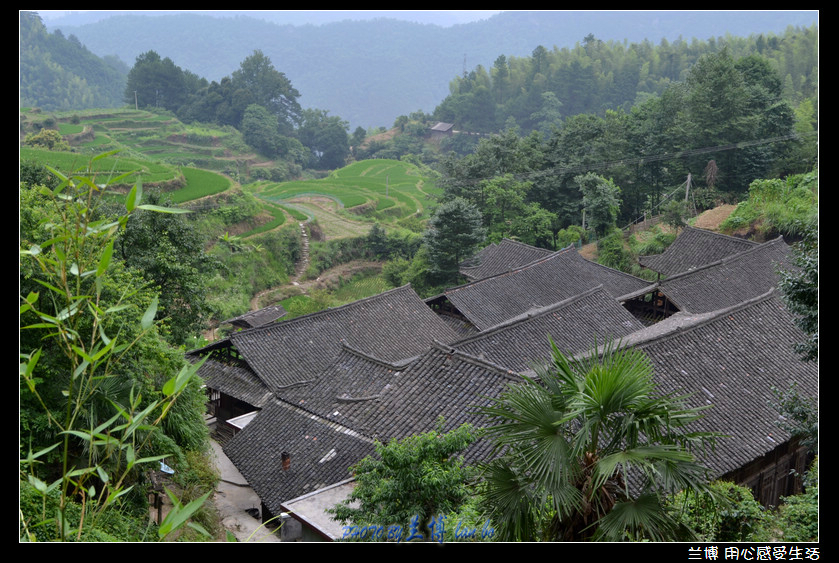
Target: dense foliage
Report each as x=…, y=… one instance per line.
x=800, y=288
x=726, y=124
x=779, y=206
x=103, y=395
x=59, y=73
x=595, y=76
x=454, y=233
x=797, y=518
x=730, y=514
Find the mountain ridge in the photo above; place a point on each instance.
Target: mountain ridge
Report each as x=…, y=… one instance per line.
x=368, y=72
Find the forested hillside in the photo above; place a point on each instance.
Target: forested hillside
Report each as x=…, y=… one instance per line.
x=596, y=75
x=60, y=73
x=370, y=72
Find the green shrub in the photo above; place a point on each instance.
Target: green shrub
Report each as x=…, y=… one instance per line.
x=798, y=517
x=612, y=252
x=729, y=514
x=49, y=139
x=569, y=236
x=655, y=244
x=128, y=522
x=777, y=206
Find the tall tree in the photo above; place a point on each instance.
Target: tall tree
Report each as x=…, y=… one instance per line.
x=590, y=452
x=800, y=288
x=260, y=130
x=327, y=138
x=156, y=82
x=729, y=102
x=601, y=201
x=263, y=84
x=454, y=232
x=168, y=252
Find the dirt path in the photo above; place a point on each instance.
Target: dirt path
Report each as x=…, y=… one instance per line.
x=326, y=279
x=299, y=270
x=331, y=222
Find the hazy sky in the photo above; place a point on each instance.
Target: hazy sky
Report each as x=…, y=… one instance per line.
x=297, y=17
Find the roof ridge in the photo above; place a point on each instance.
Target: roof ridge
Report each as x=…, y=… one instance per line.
x=730, y=258
x=371, y=358
x=465, y=356
x=721, y=235
x=685, y=322
x=334, y=426
x=551, y=256
x=323, y=312
x=534, y=313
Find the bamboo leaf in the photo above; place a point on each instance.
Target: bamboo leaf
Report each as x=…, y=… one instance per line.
x=148, y=316
x=179, y=515
x=87, y=437
x=151, y=459
x=116, y=493
x=39, y=485
x=129, y=455
x=105, y=259
x=132, y=199
x=161, y=209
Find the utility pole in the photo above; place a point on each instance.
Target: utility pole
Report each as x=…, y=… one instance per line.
x=687, y=187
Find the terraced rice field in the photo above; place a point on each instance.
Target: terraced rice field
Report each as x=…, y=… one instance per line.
x=382, y=190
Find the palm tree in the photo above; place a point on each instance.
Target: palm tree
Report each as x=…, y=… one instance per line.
x=589, y=451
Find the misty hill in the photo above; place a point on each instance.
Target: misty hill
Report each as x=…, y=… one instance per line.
x=58, y=72
x=370, y=72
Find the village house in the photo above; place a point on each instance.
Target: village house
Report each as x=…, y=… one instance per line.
x=487, y=302
x=501, y=257
x=307, y=441
x=245, y=369
x=694, y=248
x=711, y=286
x=321, y=389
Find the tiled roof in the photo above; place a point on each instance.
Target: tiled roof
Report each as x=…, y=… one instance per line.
x=502, y=257
x=358, y=398
x=563, y=274
x=383, y=400
x=320, y=453
x=727, y=282
x=443, y=382
x=393, y=325
x=573, y=324
x=694, y=248
x=731, y=359
x=237, y=381
x=258, y=318
x=353, y=378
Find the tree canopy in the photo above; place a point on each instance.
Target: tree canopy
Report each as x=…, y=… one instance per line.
x=454, y=232
x=262, y=84
x=410, y=480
